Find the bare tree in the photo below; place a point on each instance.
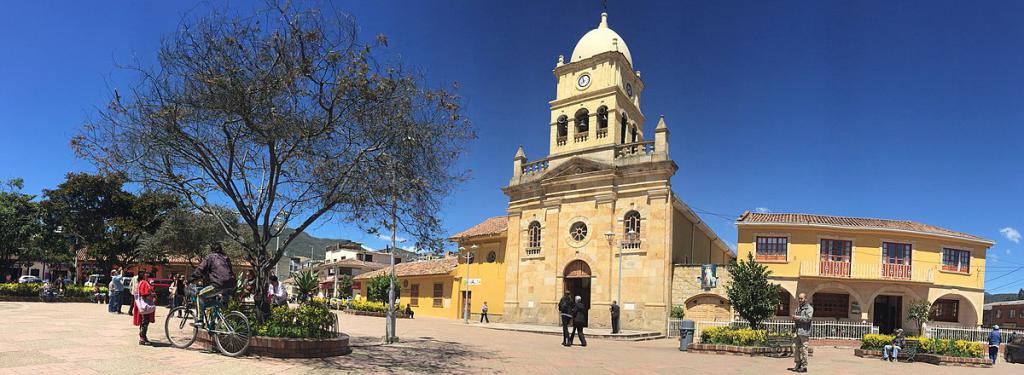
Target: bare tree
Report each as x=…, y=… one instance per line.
x=286, y=117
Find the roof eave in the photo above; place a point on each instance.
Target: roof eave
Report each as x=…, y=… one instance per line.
x=988, y=242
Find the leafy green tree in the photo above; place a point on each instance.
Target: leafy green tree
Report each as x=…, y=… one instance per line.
x=287, y=117
x=377, y=288
x=345, y=286
x=1020, y=294
x=919, y=312
x=109, y=222
x=751, y=295
x=188, y=233
x=19, y=224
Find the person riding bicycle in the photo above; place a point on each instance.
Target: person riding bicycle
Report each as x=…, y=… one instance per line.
x=215, y=271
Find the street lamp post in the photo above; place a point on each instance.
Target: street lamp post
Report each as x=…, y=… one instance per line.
x=465, y=293
x=611, y=240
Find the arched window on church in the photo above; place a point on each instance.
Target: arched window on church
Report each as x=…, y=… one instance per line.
x=533, y=239
x=631, y=225
x=622, y=127
x=563, y=129
x=633, y=134
x=602, y=121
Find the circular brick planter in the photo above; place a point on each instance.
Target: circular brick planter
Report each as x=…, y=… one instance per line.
x=940, y=360
x=752, y=351
x=399, y=315
x=278, y=347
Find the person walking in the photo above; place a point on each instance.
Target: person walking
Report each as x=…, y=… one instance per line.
x=614, y=309
x=802, y=319
x=579, y=319
x=897, y=344
x=483, y=313
x=145, y=309
x=994, y=339
x=565, y=312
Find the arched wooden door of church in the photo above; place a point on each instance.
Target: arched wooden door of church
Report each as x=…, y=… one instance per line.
x=577, y=282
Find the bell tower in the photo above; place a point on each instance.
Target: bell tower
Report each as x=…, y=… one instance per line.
x=597, y=97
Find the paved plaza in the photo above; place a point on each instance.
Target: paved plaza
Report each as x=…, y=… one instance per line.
x=76, y=338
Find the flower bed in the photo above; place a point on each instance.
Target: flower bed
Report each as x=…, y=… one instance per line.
x=939, y=347
x=753, y=351
x=33, y=290
x=370, y=308
x=738, y=336
x=934, y=359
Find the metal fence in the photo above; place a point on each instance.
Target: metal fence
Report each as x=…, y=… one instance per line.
x=967, y=333
x=820, y=329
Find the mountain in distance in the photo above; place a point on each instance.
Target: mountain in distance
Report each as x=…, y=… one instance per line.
x=300, y=246
x=1001, y=297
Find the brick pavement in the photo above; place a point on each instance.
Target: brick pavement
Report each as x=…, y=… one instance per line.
x=75, y=338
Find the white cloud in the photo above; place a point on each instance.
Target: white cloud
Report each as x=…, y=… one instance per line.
x=1007, y=251
x=762, y=210
x=1011, y=234
x=387, y=237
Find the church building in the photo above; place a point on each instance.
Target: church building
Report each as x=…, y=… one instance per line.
x=597, y=216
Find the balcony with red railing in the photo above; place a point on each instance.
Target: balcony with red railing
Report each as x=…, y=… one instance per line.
x=896, y=271
x=834, y=268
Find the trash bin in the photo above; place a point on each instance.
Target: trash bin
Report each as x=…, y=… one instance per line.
x=686, y=329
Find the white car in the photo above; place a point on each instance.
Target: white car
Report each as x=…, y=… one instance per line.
x=29, y=279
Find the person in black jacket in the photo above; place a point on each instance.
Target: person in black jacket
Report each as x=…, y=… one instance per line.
x=565, y=306
x=615, y=316
x=579, y=319
x=215, y=270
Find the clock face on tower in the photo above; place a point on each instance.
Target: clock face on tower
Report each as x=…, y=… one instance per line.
x=583, y=81
x=629, y=89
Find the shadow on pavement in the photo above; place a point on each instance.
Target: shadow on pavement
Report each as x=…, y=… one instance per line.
x=420, y=355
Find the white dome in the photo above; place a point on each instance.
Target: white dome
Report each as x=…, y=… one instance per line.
x=601, y=39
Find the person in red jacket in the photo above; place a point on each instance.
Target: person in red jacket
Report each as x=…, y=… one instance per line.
x=146, y=295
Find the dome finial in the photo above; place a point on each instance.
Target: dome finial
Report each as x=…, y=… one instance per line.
x=604, y=21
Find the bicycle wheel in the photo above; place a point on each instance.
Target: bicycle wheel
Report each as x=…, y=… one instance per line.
x=181, y=330
x=232, y=334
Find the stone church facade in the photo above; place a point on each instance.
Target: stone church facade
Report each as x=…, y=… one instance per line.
x=597, y=216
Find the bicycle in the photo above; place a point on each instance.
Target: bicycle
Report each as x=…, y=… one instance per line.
x=230, y=331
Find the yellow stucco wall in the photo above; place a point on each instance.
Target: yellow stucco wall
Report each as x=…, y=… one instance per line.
x=491, y=288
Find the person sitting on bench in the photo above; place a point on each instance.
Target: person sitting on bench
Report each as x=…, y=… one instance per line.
x=897, y=344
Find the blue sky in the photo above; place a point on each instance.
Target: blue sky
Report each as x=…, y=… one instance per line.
x=907, y=110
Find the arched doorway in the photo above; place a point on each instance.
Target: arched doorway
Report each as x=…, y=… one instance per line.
x=577, y=281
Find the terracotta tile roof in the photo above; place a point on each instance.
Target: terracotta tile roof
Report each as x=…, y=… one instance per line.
x=494, y=225
x=350, y=263
x=852, y=222
x=420, y=268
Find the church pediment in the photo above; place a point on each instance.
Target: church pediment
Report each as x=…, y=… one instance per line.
x=575, y=166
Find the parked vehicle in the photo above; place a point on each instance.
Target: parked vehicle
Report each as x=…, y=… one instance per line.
x=1014, y=349
x=96, y=278
x=29, y=279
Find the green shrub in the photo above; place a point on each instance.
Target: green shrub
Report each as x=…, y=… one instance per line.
x=734, y=336
x=309, y=320
x=33, y=290
x=370, y=306
x=677, y=312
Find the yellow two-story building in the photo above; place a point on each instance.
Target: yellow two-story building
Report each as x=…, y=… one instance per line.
x=869, y=270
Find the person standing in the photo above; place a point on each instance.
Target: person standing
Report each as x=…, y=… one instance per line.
x=565, y=312
x=114, y=289
x=897, y=344
x=483, y=313
x=134, y=289
x=615, y=316
x=802, y=319
x=145, y=311
x=579, y=319
x=994, y=339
